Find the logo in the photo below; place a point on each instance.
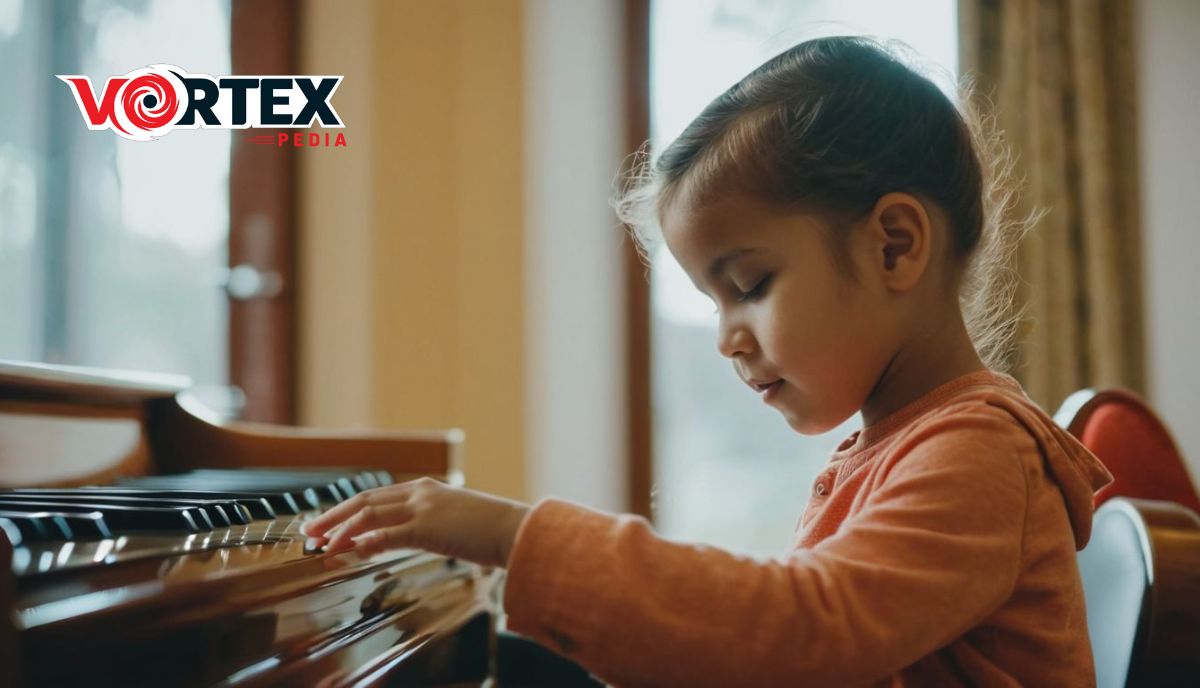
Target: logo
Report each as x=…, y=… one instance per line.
x=149, y=103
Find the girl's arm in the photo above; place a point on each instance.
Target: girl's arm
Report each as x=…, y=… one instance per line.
x=935, y=550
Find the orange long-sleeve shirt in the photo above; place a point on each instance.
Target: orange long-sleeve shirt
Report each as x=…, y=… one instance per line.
x=937, y=549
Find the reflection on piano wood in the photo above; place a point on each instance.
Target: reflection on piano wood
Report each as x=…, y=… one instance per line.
x=144, y=542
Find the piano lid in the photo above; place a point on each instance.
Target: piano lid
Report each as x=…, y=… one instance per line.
x=23, y=379
x=64, y=426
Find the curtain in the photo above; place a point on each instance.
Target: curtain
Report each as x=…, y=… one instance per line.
x=1060, y=77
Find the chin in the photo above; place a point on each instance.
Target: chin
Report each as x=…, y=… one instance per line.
x=810, y=425
x=806, y=426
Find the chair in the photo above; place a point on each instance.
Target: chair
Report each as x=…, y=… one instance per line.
x=1141, y=582
x=1141, y=567
x=1133, y=443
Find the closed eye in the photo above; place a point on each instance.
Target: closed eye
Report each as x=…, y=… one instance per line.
x=754, y=294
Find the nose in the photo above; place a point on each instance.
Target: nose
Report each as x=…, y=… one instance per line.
x=733, y=338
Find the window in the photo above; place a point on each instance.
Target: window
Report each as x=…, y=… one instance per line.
x=727, y=469
x=111, y=251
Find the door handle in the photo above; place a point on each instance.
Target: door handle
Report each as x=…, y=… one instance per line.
x=245, y=282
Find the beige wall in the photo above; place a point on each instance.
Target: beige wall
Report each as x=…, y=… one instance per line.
x=1168, y=98
x=411, y=265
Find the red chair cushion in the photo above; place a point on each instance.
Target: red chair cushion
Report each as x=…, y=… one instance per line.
x=1139, y=452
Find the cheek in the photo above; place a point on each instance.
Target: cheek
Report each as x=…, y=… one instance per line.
x=828, y=348
x=807, y=323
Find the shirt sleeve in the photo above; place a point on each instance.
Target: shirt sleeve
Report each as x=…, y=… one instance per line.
x=935, y=550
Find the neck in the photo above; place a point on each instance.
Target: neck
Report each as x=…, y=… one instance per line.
x=936, y=353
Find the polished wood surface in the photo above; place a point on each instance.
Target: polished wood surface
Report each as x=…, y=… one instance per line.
x=254, y=614
x=188, y=437
x=51, y=443
x=637, y=270
x=263, y=39
x=71, y=426
x=1166, y=648
x=246, y=605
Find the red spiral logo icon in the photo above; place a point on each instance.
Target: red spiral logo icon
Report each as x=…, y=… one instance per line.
x=150, y=102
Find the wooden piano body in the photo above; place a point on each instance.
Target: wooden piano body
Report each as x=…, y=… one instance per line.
x=237, y=606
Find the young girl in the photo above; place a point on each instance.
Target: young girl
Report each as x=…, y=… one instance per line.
x=838, y=209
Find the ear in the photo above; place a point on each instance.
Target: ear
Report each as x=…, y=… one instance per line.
x=901, y=237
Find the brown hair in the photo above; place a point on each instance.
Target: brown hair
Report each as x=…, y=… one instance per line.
x=828, y=127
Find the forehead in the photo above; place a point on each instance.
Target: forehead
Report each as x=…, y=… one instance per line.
x=696, y=233
x=689, y=226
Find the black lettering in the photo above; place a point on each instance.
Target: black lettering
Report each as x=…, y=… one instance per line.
x=202, y=104
x=269, y=100
x=318, y=96
x=237, y=88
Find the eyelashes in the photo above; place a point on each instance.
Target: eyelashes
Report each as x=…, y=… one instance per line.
x=753, y=295
x=756, y=291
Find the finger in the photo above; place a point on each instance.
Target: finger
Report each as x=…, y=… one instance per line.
x=326, y=542
x=326, y=521
x=379, y=540
x=370, y=517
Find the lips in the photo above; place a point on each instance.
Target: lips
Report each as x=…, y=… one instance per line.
x=761, y=385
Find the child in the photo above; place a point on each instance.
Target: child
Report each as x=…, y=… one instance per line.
x=835, y=206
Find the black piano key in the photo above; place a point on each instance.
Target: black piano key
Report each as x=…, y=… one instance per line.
x=206, y=516
x=62, y=525
x=203, y=520
x=312, y=500
x=330, y=494
x=246, y=507
x=346, y=487
x=220, y=512
x=282, y=502
x=39, y=525
x=88, y=526
x=56, y=522
x=365, y=480
x=332, y=485
x=84, y=525
x=11, y=531
x=122, y=519
x=241, y=508
x=304, y=497
x=31, y=526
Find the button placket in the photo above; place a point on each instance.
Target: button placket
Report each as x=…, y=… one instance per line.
x=824, y=483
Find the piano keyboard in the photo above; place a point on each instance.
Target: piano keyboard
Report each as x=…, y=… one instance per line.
x=196, y=574
x=60, y=528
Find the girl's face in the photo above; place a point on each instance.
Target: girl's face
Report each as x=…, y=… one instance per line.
x=786, y=313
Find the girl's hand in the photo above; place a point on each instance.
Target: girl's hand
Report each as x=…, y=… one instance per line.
x=425, y=514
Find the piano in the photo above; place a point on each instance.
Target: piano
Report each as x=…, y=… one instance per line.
x=145, y=541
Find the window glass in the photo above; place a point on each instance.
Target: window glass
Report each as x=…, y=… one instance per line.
x=110, y=250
